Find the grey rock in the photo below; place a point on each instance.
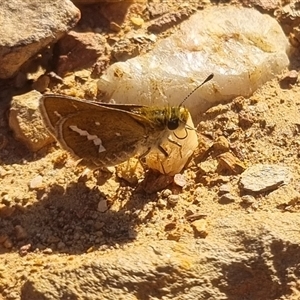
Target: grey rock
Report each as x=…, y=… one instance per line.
x=27, y=26
x=263, y=178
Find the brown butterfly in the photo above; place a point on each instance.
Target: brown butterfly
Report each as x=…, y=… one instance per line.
x=104, y=134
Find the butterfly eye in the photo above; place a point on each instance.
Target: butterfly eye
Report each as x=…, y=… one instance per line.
x=173, y=124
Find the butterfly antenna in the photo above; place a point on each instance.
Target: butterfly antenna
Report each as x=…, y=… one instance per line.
x=209, y=77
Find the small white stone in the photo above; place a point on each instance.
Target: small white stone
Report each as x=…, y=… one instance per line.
x=180, y=180
x=36, y=182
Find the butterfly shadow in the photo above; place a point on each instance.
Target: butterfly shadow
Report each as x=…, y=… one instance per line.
x=67, y=220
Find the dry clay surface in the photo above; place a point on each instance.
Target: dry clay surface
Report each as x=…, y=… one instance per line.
x=182, y=243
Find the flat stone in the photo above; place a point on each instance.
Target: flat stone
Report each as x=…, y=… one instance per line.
x=263, y=178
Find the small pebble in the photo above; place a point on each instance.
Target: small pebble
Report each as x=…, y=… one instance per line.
x=227, y=198
x=230, y=163
x=3, y=238
x=290, y=77
x=161, y=203
x=42, y=83
x=99, y=225
x=53, y=239
x=36, y=182
x=174, y=235
x=199, y=227
x=248, y=199
x=207, y=166
x=102, y=206
x=6, y=211
x=24, y=250
x=6, y=199
x=221, y=144
x=99, y=233
x=195, y=216
x=61, y=245
x=224, y=188
x=132, y=234
x=3, y=172
x=8, y=244
x=179, y=180
x=166, y=193
x=48, y=251
x=173, y=199
x=137, y=21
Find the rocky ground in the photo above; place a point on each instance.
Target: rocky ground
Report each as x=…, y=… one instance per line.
x=231, y=231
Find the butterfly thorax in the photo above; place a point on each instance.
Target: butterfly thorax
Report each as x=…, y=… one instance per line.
x=169, y=117
x=159, y=125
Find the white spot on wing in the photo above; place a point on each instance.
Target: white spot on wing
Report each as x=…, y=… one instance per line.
x=96, y=140
x=118, y=134
x=97, y=123
x=57, y=114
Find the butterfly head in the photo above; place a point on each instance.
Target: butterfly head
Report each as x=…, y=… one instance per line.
x=176, y=117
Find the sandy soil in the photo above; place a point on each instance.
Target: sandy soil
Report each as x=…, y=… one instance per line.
x=58, y=218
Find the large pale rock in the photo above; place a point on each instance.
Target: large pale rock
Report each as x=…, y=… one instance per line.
x=242, y=47
x=27, y=26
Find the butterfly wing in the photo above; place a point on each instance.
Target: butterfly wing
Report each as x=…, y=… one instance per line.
x=100, y=135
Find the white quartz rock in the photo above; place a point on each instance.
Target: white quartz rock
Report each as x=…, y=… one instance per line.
x=241, y=46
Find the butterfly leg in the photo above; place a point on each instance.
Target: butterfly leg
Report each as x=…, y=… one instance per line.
x=165, y=153
x=161, y=149
x=177, y=144
x=142, y=157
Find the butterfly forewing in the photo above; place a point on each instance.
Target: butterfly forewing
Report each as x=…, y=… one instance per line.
x=90, y=130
